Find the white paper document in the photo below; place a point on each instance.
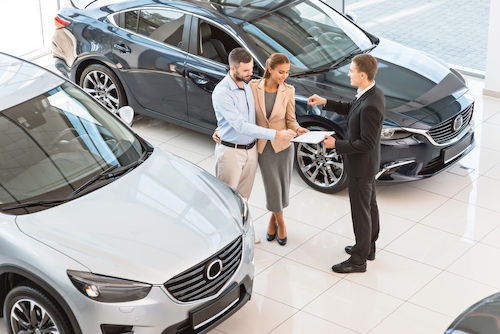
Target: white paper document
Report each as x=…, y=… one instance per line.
x=312, y=137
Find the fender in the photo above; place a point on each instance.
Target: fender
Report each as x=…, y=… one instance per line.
x=4, y=270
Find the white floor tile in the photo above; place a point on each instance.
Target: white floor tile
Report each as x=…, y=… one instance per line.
x=480, y=264
x=408, y=202
x=413, y=319
x=158, y=130
x=462, y=219
x=194, y=142
x=485, y=108
x=316, y=209
x=395, y=275
x=391, y=227
x=302, y=323
x=493, y=238
x=297, y=234
x=292, y=283
x=264, y=260
x=259, y=315
x=430, y=246
x=444, y=184
x=451, y=294
x=353, y=306
x=494, y=173
x=208, y=164
x=495, y=119
x=486, y=135
x=322, y=251
x=484, y=192
x=481, y=159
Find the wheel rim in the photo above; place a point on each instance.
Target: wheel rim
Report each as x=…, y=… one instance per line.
x=320, y=165
x=27, y=316
x=101, y=87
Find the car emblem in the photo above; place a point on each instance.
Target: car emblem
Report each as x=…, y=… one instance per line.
x=458, y=122
x=214, y=269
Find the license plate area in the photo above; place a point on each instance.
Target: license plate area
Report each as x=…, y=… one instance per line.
x=452, y=152
x=207, y=314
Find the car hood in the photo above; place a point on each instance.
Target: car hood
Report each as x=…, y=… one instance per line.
x=418, y=87
x=151, y=224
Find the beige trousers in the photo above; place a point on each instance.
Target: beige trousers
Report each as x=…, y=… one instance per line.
x=236, y=167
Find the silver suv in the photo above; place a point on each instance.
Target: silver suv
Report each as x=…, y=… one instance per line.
x=101, y=232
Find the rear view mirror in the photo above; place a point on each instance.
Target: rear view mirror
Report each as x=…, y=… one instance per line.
x=126, y=113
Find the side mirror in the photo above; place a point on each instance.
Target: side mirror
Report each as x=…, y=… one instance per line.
x=352, y=16
x=126, y=113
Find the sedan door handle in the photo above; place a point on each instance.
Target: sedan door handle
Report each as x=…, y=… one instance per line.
x=122, y=48
x=200, y=79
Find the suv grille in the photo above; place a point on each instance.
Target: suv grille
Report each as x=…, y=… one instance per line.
x=193, y=284
x=443, y=132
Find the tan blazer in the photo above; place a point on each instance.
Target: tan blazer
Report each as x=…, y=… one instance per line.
x=283, y=114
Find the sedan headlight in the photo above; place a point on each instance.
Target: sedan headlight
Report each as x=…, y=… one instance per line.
x=393, y=133
x=108, y=289
x=245, y=214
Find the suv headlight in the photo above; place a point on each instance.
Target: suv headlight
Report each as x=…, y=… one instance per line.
x=108, y=289
x=245, y=214
x=393, y=133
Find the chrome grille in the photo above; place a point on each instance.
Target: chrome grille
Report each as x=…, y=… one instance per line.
x=443, y=132
x=193, y=284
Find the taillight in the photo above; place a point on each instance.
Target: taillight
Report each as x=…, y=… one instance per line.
x=61, y=23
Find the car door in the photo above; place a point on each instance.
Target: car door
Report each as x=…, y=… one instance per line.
x=206, y=65
x=150, y=49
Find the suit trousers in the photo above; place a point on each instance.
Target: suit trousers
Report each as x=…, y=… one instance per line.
x=365, y=217
x=236, y=167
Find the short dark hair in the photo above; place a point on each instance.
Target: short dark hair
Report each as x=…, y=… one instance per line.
x=366, y=63
x=239, y=55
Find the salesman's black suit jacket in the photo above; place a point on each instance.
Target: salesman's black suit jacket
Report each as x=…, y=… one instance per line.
x=361, y=144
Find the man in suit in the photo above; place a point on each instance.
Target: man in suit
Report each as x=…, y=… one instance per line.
x=361, y=147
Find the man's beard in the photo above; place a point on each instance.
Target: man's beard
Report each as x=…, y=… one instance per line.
x=240, y=78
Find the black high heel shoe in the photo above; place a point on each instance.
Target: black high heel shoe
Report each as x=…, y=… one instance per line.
x=282, y=242
x=270, y=237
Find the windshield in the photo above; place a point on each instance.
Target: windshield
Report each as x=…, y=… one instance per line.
x=55, y=142
x=310, y=33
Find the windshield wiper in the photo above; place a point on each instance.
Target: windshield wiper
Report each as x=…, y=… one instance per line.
x=47, y=203
x=334, y=66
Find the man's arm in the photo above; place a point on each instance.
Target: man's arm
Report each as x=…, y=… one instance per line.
x=341, y=108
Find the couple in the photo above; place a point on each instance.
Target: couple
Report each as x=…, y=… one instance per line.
x=263, y=109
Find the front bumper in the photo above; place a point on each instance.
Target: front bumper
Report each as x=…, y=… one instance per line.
x=416, y=157
x=160, y=313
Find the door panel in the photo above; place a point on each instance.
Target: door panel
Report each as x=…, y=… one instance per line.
x=154, y=71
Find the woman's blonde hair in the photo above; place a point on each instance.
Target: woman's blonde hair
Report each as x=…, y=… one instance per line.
x=274, y=60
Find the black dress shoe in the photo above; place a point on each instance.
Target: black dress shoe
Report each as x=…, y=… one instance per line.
x=347, y=267
x=348, y=251
x=282, y=242
x=270, y=237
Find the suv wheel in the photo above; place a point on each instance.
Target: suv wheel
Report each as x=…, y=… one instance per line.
x=29, y=309
x=104, y=86
x=321, y=168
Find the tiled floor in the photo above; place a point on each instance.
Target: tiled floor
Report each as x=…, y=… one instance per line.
x=437, y=253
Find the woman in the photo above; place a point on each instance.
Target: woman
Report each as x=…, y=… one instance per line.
x=275, y=109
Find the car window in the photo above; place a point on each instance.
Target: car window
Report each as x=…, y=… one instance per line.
x=162, y=25
x=214, y=43
x=55, y=142
x=310, y=33
x=127, y=20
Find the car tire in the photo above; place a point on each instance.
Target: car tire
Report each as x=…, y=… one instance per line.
x=103, y=85
x=27, y=305
x=321, y=168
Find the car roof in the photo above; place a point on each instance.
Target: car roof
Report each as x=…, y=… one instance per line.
x=21, y=81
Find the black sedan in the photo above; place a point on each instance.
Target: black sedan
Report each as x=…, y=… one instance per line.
x=164, y=57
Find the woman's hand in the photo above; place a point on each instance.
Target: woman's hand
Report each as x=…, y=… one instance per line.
x=215, y=136
x=301, y=131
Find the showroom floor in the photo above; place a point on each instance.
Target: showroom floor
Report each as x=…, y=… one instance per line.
x=437, y=254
